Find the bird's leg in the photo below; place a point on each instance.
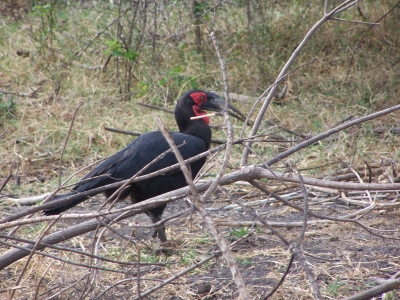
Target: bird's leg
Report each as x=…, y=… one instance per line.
x=160, y=231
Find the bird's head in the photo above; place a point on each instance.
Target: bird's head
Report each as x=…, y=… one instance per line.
x=195, y=102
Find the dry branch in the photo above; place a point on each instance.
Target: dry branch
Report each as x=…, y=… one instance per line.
x=72, y=250
x=135, y=133
x=59, y=236
x=296, y=252
x=330, y=132
x=376, y=291
x=285, y=69
x=178, y=275
x=233, y=223
x=170, y=111
x=223, y=245
x=123, y=131
x=245, y=174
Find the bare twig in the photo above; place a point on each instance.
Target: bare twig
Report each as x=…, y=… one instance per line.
x=206, y=217
x=275, y=84
x=35, y=246
x=138, y=274
x=72, y=250
x=311, y=278
x=305, y=212
x=135, y=133
x=41, y=279
x=65, y=143
x=356, y=22
x=376, y=290
x=30, y=95
x=176, y=276
x=3, y=133
x=69, y=286
x=113, y=286
x=10, y=175
x=291, y=60
x=276, y=287
x=229, y=223
x=227, y=121
x=292, y=247
x=330, y=132
x=364, y=35
x=54, y=238
x=246, y=173
x=170, y=111
x=339, y=219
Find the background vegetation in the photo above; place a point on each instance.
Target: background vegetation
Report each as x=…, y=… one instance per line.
x=113, y=55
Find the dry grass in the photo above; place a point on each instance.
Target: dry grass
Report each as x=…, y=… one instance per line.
x=343, y=257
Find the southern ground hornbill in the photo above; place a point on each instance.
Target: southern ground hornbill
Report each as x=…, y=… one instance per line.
x=194, y=137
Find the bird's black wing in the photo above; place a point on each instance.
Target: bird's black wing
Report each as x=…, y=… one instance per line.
x=142, y=151
x=127, y=162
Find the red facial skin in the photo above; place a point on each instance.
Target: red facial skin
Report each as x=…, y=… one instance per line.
x=199, y=98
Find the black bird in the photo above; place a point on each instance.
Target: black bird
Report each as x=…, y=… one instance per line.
x=194, y=137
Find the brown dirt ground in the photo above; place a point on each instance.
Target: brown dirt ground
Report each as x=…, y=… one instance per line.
x=344, y=258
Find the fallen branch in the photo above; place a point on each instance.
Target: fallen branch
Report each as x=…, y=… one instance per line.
x=392, y=130
x=229, y=223
x=57, y=237
x=170, y=111
x=198, y=203
x=244, y=174
x=376, y=291
x=135, y=133
x=330, y=132
x=285, y=69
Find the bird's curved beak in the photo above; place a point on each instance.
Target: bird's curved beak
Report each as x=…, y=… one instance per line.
x=215, y=103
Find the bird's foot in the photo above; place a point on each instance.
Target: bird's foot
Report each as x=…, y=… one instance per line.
x=160, y=232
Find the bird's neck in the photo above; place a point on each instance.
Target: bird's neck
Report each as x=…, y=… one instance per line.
x=198, y=128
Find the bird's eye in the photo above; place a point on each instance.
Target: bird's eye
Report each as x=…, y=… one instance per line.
x=198, y=97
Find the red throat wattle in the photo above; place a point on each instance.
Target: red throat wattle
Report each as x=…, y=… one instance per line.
x=199, y=98
x=198, y=112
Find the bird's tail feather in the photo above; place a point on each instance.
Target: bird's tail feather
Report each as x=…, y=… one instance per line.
x=64, y=206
